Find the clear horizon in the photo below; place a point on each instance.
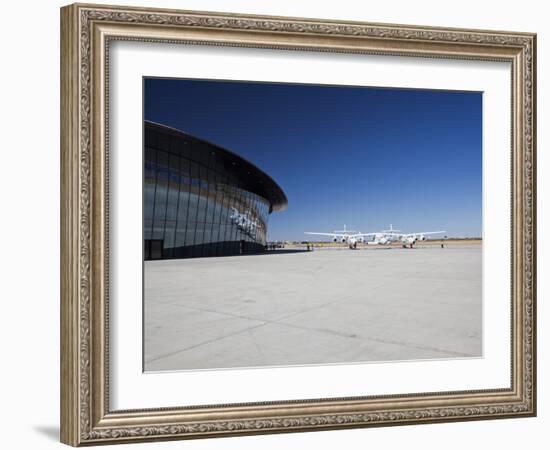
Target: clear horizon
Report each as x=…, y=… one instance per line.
x=360, y=156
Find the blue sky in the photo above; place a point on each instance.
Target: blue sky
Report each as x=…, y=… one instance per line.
x=360, y=156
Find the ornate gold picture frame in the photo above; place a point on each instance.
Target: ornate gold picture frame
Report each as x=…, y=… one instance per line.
x=87, y=32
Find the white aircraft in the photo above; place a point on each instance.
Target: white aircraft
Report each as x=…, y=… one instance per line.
x=388, y=236
x=380, y=238
x=347, y=236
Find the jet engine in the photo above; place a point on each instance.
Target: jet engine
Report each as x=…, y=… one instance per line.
x=334, y=239
x=343, y=239
x=421, y=237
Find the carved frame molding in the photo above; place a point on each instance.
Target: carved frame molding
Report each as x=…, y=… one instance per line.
x=86, y=32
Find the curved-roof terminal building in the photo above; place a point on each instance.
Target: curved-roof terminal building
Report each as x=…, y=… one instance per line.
x=201, y=200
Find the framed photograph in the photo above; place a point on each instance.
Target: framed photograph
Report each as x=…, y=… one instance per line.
x=275, y=224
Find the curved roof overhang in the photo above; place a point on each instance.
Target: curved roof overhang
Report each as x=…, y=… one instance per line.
x=253, y=178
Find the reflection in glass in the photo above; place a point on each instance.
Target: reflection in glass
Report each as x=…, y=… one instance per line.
x=202, y=200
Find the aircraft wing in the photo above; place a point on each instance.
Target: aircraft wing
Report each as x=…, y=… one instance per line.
x=325, y=234
x=340, y=235
x=421, y=233
x=430, y=232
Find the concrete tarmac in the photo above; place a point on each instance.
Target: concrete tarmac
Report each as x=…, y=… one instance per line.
x=321, y=307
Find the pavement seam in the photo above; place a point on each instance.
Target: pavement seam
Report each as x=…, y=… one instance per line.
x=204, y=343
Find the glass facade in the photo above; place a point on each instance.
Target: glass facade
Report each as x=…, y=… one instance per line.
x=202, y=200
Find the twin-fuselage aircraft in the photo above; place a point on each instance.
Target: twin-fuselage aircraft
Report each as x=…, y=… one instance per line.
x=384, y=237
x=346, y=236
